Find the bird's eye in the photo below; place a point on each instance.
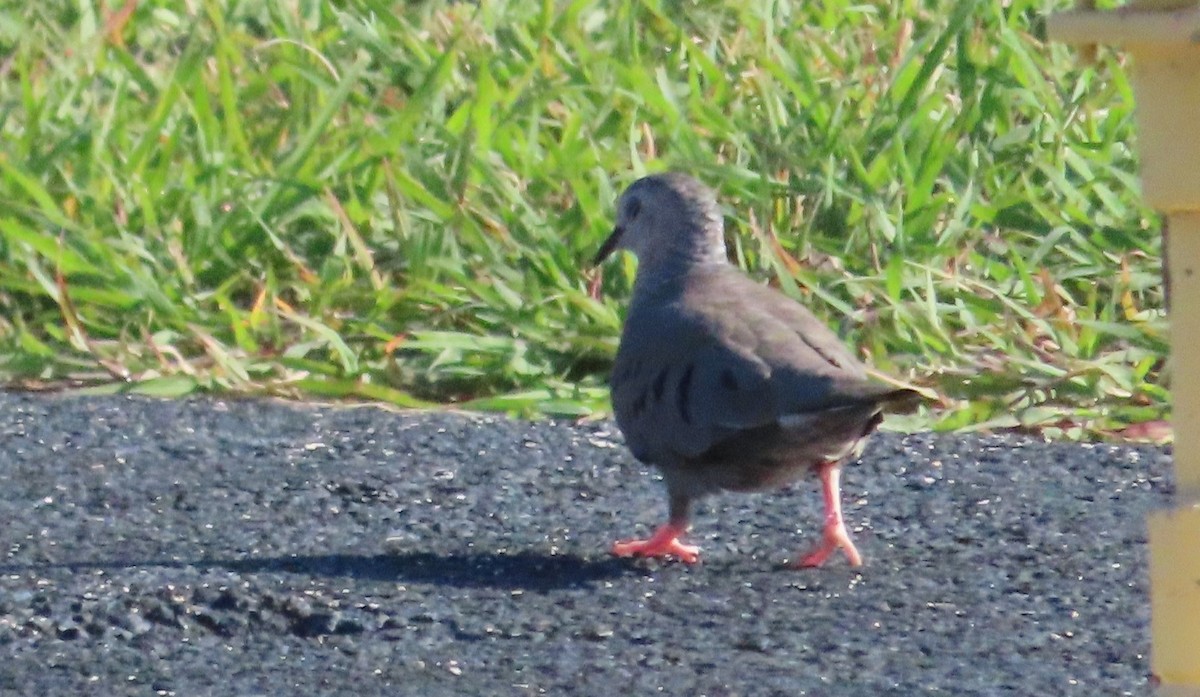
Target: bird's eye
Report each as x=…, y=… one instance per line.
x=633, y=208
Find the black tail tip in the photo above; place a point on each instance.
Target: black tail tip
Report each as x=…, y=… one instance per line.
x=904, y=400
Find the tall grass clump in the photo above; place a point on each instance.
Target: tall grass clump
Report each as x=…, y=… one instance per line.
x=396, y=201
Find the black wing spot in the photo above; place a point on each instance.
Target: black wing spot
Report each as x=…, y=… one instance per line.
x=660, y=384
x=728, y=381
x=683, y=395
x=629, y=371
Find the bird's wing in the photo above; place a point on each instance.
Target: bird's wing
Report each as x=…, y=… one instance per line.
x=724, y=357
x=677, y=390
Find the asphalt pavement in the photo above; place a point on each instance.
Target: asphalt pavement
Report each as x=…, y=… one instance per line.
x=209, y=547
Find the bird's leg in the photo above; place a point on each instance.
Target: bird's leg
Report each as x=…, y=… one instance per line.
x=665, y=541
x=835, y=535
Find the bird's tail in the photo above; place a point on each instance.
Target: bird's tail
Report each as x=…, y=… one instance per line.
x=901, y=401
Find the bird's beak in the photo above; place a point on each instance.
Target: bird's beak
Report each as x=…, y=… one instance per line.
x=609, y=245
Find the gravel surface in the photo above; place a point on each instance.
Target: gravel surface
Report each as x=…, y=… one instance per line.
x=211, y=547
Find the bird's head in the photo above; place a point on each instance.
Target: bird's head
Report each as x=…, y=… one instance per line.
x=666, y=217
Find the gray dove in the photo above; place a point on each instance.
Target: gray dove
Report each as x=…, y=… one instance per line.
x=724, y=383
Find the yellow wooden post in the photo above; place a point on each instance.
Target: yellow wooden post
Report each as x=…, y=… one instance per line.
x=1164, y=38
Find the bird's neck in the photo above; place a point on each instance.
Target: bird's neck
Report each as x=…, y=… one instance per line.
x=698, y=245
x=662, y=273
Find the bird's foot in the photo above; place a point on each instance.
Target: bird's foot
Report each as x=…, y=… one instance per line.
x=663, y=543
x=835, y=537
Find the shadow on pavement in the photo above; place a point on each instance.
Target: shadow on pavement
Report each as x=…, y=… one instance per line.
x=506, y=570
x=510, y=570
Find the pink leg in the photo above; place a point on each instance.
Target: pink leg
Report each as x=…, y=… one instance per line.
x=663, y=543
x=835, y=535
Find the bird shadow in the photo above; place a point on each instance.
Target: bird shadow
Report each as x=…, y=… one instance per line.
x=502, y=570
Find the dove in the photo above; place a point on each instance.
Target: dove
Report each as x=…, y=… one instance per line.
x=723, y=383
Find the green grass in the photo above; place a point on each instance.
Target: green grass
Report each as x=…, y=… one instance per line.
x=397, y=201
